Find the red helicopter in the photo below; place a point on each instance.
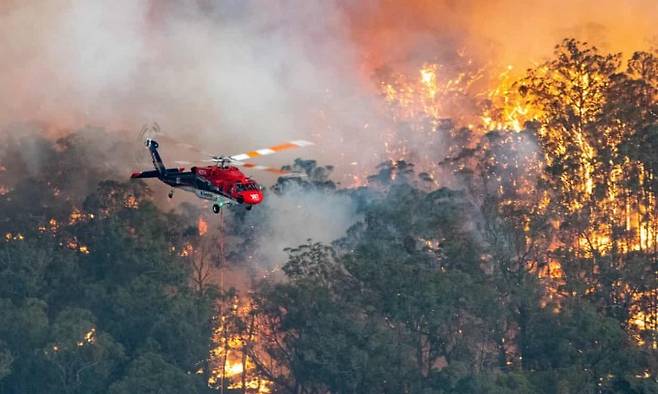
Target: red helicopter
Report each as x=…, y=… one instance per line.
x=222, y=183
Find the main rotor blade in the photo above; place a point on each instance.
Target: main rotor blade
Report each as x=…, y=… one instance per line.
x=261, y=168
x=271, y=150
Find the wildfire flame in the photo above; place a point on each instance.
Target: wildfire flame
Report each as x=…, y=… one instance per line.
x=232, y=364
x=422, y=101
x=202, y=226
x=89, y=337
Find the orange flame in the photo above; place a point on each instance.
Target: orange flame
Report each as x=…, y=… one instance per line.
x=202, y=226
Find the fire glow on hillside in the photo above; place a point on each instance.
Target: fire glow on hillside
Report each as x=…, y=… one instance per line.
x=553, y=155
x=619, y=223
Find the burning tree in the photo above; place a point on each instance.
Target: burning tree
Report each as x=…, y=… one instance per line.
x=602, y=198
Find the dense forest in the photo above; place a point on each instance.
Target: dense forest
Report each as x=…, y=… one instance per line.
x=531, y=269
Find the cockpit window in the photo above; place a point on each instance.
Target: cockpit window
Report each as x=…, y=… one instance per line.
x=242, y=187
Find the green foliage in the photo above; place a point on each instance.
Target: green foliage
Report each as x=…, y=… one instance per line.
x=6, y=361
x=305, y=174
x=97, y=300
x=150, y=373
x=82, y=357
x=579, y=348
x=405, y=293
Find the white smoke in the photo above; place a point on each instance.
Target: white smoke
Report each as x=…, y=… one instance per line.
x=239, y=75
x=232, y=77
x=299, y=215
x=236, y=75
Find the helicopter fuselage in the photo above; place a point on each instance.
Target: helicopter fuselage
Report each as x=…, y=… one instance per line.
x=223, y=185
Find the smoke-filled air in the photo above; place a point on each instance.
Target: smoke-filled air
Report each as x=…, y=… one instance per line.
x=317, y=197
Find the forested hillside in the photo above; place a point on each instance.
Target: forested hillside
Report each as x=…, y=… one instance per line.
x=502, y=259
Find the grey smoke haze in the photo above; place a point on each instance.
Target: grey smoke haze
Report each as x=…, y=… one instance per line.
x=302, y=214
x=236, y=76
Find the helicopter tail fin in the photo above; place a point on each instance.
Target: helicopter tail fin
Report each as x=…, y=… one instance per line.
x=157, y=160
x=155, y=173
x=145, y=174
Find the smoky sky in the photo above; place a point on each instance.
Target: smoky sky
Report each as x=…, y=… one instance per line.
x=238, y=75
x=230, y=76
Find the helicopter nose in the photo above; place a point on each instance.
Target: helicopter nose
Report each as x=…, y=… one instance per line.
x=252, y=197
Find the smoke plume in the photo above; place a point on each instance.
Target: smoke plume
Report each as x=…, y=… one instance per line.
x=239, y=75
